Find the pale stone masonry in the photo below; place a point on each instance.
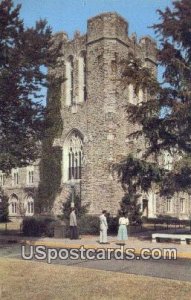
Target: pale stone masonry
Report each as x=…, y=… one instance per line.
x=95, y=124
x=21, y=188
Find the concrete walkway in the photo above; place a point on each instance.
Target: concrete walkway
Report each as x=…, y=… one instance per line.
x=137, y=243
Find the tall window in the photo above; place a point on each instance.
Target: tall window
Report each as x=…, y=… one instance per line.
x=15, y=177
x=75, y=157
x=182, y=205
x=133, y=97
x=2, y=179
x=72, y=156
x=69, y=81
x=82, y=77
x=30, y=206
x=140, y=96
x=131, y=94
x=30, y=177
x=13, y=205
x=169, y=205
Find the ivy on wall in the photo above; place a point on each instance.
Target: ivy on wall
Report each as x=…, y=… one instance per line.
x=4, y=212
x=51, y=160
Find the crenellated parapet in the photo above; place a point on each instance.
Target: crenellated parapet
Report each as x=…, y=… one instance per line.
x=107, y=25
x=149, y=50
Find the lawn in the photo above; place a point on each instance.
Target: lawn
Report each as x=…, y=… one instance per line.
x=10, y=228
x=40, y=281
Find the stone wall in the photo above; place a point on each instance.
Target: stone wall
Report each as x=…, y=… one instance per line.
x=21, y=191
x=100, y=119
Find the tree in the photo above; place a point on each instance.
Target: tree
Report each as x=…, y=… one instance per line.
x=81, y=210
x=3, y=207
x=165, y=119
x=130, y=205
x=25, y=53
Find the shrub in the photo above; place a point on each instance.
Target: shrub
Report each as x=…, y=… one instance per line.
x=88, y=224
x=85, y=222
x=79, y=209
x=130, y=205
x=38, y=226
x=166, y=220
x=113, y=225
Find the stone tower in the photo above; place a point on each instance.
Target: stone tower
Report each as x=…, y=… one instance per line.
x=91, y=108
x=95, y=124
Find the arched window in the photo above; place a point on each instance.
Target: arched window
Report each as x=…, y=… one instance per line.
x=82, y=77
x=28, y=205
x=69, y=81
x=75, y=152
x=72, y=156
x=13, y=205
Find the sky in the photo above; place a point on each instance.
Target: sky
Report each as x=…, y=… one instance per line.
x=72, y=15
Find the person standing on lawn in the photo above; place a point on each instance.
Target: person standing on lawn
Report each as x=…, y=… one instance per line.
x=103, y=228
x=73, y=225
x=122, y=231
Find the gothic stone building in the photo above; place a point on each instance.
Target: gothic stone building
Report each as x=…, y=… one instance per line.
x=95, y=124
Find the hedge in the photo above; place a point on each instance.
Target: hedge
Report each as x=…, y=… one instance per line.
x=38, y=226
x=168, y=221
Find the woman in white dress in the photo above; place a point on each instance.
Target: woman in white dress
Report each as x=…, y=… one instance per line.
x=122, y=231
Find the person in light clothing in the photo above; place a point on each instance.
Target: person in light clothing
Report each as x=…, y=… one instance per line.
x=73, y=225
x=103, y=228
x=122, y=231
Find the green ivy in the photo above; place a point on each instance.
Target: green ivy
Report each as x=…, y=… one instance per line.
x=4, y=213
x=50, y=166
